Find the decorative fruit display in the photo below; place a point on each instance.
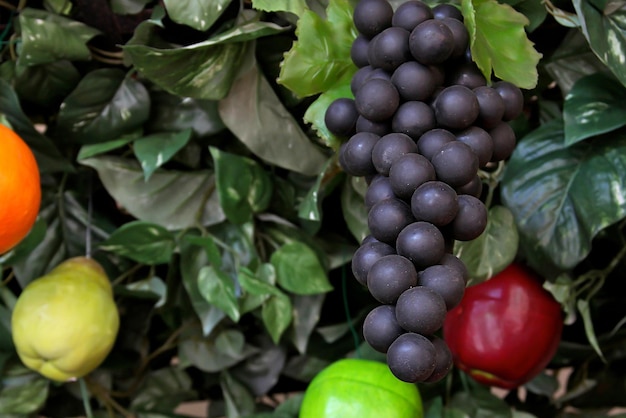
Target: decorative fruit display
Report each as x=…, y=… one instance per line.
x=354, y=388
x=506, y=329
x=65, y=323
x=19, y=187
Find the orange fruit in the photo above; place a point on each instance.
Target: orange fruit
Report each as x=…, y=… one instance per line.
x=20, y=189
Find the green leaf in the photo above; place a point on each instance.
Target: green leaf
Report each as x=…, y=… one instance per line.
x=307, y=311
x=354, y=211
x=153, y=286
x=317, y=111
x=480, y=403
x=142, y=242
x=561, y=196
x=499, y=43
x=243, y=186
x=47, y=84
x=163, y=390
x=104, y=106
x=239, y=400
x=155, y=150
x=209, y=245
x=218, y=289
x=205, y=70
x=24, y=398
x=535, y=11
x=595, y=105
x=197, y=14
x=48, y=37
x=128, y=7
x=298, y=270
x=172, y=199
x=585, y=313
x=494, y=249
x=92, y=150
x=277, y=315
x=321, y=55
x=217, y=352
x=296, y=7
x=603, y=25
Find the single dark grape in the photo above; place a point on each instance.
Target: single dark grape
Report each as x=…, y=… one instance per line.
x=366, y=255
x=473, y=188
x=389, y=277
x=446, y=281
x=431, y=42
x=455, y=163
x=372, y=16
x=434, y=202
x=466, y=74
x=420, y=309
x=413, y=118
x=358, y=51
x=378, y=128
x=504, y=141
x=389, y=148
x=491, y=107
x=414, y=81
x=479, y=141
x=412, y=358
x=380, y=328
x=456, y=107
x=444, y=10
x=512, y=97
x=389, y=49
x=368, y=239
x=422, y=243
x=471, y=220
x=460, y=35
x=356, y=156
x=387, y=218
x=443, y=360
x=409, y=172
x=379, y=189
x=431, y=142
x=410, y=14
x=377, y=99
x=455, y=263
x=340, y=117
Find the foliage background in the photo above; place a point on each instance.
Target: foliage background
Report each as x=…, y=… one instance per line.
x=181, y=144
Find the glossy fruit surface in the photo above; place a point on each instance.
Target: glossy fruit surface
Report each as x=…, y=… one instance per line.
x=65, y=323
x=354, y=388
x=20, y=189
x=506, y=330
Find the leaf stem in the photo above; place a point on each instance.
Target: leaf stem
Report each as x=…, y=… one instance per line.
x=84, y=393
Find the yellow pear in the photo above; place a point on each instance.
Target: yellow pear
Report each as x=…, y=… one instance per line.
x=64, y=324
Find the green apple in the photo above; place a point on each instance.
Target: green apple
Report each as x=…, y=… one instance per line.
x=354, y=388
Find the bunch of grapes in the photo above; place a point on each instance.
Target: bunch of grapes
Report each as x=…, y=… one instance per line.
x=422, y=123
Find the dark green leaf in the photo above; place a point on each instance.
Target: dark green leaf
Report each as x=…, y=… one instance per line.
x=298, y=270
x=92, y=150
x=24, y=398
x=197, y=14
x=596, y=104
x=219, y=289
x=317, y=111
x=243, y=186
x=499, y=43
x=492, y=251
x=481, y=403
x=277, y=315
x=154, y=286
x=261, y=371
x=561, y=197
x=543, y=384
x=321, y=55
x=27, y=245
x=104, y=106
x=163, y=390
x=173, y=199
x=216, y=352
x=239, y=400
x=128, y=7
x=208, y=243
x=307, y=311
x=269, y=130
x=585, y=313
x=354, y=211
x=155, y=150
x=48, y=37
x=142, y=242
x=604, y=29
x=47, y=84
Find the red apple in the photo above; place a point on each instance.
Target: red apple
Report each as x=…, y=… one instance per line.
x=506, y=330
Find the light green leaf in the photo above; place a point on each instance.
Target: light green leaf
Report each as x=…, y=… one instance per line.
x=155, y=150
x=585, y=312
x=48, y=37
x=104, y=106
x=218, y=289
x=321, y=55
x=494, y=249
x=143, y=242
x=172, y=199
x=92, y=150
x=296, y=7
x=596, y=104
x=197, y=14
x=298, y=270
x=499, y=43
x=354, y=211
x=269, y=130
x=277, y=315
x=317, y=111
